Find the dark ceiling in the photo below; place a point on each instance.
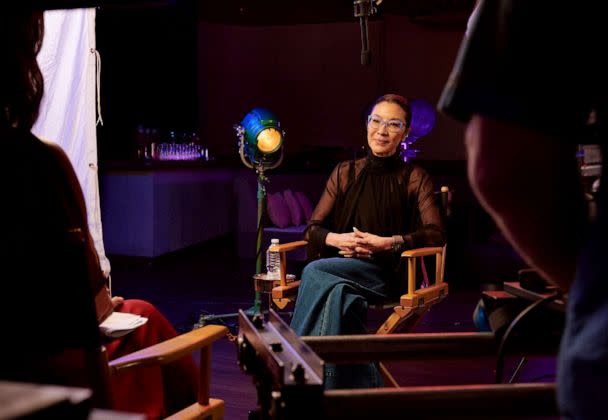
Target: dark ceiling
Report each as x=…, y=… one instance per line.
x=289, y=11
x=272, y=12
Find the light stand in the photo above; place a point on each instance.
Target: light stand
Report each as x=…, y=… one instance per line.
x=260, y=142
x=260, y=167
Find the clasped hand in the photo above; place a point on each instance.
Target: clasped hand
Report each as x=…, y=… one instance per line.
x=358, y=244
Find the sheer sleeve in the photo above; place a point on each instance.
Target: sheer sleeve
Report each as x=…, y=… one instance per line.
x=321, y=220
x=430, y=231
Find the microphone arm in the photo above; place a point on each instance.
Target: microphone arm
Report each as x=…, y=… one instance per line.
x=363, y=10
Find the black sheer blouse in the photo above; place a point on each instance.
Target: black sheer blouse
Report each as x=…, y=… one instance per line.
x=383, y=196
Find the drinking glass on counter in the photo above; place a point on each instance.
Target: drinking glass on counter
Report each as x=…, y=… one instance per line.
x=150, y=144
x=179, y=151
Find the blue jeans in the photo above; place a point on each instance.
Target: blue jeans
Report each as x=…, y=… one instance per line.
x=583, y=357
x=332, y=300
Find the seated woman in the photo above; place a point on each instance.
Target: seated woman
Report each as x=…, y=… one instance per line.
x=46, y=244
x=371, y=211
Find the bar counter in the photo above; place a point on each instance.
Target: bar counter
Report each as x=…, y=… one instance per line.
x=150, y=208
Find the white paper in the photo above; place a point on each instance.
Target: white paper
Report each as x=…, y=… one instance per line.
x=121, y=323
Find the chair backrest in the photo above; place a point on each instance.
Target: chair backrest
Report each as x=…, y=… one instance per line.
x=417, y=300
x=443, y=197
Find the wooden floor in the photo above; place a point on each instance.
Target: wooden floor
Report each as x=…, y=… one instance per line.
x=210, y=280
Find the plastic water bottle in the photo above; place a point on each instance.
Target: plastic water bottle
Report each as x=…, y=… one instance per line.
x=273, y=262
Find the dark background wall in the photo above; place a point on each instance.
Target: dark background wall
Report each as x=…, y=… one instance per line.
x=148, y=73
x=181, y=67
x=174, y=68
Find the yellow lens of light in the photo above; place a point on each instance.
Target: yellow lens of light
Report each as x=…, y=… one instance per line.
x=269, y=140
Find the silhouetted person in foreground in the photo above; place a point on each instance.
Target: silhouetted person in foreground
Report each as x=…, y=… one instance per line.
x=56, y=295
x=528, y=76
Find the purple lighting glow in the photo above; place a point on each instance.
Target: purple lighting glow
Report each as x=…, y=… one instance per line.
x=423, y=121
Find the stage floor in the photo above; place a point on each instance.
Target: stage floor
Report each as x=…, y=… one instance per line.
x=211, y=279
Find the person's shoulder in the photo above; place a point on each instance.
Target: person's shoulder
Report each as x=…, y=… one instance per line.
x=17, y=138
x=53, y=148
x=347, y=164
x=415, y=169
x=360, y=161
x=29, y=147
x=57, y=155
x=56, y=161
x=415, y=173
x=33, y=144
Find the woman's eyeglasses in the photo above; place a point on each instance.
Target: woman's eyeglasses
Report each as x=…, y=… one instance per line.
x=393, y=126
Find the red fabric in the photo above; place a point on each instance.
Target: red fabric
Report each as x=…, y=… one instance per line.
x=154, y=391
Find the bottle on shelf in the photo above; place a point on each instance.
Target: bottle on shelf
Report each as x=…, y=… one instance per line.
x=273, y=262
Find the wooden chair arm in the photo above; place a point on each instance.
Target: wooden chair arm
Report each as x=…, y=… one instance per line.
x=289, y=246
x=286, y=292
x=424, y=297
x=413, y=304
x=282, y=249
x=422, y=252
x=170, y=350
x=412, y=255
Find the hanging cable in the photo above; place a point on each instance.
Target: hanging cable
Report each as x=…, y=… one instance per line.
x=98, y=85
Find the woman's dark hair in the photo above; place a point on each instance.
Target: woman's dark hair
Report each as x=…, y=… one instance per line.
x=21, y=83
x=395, y=99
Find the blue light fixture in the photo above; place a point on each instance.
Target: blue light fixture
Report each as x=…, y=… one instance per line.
x=260, y=139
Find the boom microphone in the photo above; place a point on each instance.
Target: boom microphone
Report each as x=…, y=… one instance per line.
x=363, y=10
